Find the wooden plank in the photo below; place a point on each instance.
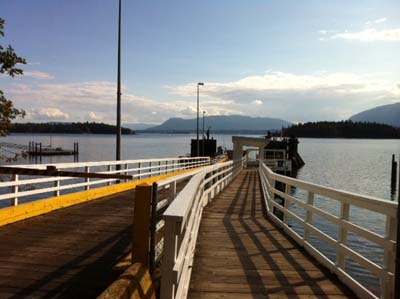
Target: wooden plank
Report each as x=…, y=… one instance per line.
x=68, y=253
x=241, y=254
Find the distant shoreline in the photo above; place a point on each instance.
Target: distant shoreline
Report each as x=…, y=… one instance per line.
x=139, y=133
x=68, y=128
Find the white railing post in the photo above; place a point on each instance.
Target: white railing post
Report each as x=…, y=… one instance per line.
x=286, y=205
x=14, y=201
x=271, y=192
x=172, y=191
x=109, y=168
x=150, y=169
x=308, y=220
x=126, y=171
x=87, y=180
x=387, y=285
x=169, y=281
x=57, y=186
x=344, y=215
x=138, y=170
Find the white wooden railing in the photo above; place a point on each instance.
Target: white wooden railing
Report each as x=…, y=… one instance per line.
x=28, y=188
x=182, y=222
x=347, y=201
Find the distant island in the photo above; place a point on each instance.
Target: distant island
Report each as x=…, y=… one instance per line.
x=68, y=128
x=387, y=114
x=343, y=129
x=223, y=124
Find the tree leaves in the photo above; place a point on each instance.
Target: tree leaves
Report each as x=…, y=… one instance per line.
x=8, y=61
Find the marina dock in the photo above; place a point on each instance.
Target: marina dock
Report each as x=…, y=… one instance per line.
x=199, y=230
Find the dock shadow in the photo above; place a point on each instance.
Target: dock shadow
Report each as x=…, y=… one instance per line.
x=247, y=195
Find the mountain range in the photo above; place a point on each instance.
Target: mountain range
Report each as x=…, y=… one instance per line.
x=387, y=114
x=222, y=124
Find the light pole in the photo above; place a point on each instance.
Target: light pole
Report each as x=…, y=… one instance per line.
x=198, y=146
x=118, y=142
x=203, y=132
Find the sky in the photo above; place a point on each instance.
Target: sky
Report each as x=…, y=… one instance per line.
x=296, y=60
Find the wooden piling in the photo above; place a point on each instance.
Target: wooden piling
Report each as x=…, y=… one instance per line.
x=153, y=228
x=141, y=224
x=393, y=172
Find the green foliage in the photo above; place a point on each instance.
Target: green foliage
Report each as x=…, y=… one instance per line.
x=342, y=129
x=68, y=128
x=7, y=113
x=8, y=61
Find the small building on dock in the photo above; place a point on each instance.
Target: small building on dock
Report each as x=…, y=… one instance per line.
x=281, y=155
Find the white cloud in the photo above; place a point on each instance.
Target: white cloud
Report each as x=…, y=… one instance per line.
x=325, y=32
x=296, y=97
x=38, y=75
x=93, y=116
x=96, y=101
x=377, y=21
x=370, y=35
x=46, y=114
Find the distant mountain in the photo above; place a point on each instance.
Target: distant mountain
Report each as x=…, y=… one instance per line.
x=222, y=124
x=387, y=114
x=139, y=126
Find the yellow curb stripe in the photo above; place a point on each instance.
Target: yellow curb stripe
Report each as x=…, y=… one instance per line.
x=38, y=207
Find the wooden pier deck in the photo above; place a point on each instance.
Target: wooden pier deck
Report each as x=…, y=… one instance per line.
x=68, y=253
x=241, y=254
x=75, y=252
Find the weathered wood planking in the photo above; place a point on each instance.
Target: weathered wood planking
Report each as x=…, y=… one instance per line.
x=67, y=253
x=241, y=254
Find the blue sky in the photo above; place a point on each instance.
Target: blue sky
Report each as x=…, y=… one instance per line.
x=297, y=60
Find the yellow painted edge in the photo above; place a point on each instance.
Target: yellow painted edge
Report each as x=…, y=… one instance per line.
x=38, y=207
x=223, y=160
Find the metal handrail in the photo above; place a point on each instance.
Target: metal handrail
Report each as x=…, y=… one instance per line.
x=347, y=200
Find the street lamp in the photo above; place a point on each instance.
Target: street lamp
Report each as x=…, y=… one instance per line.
x=203, y=131
x=118, y=141
x=198, y=147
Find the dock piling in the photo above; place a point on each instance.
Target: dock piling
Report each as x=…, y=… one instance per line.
x=393, y=178
x=394, y=170
x=141, y=224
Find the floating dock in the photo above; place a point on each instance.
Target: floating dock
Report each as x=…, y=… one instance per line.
x=37, y=149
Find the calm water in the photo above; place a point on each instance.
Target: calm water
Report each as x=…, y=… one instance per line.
x=361, y=166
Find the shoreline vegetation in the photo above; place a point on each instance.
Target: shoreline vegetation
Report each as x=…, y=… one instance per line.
x=343, y=129
x=323, y=129
x=68, y=128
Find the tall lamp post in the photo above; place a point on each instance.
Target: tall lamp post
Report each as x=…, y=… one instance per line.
x=203, y=132
x=118, y=143
x=198, y=146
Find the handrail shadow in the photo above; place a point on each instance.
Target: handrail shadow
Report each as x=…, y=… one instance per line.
x=247, y=195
